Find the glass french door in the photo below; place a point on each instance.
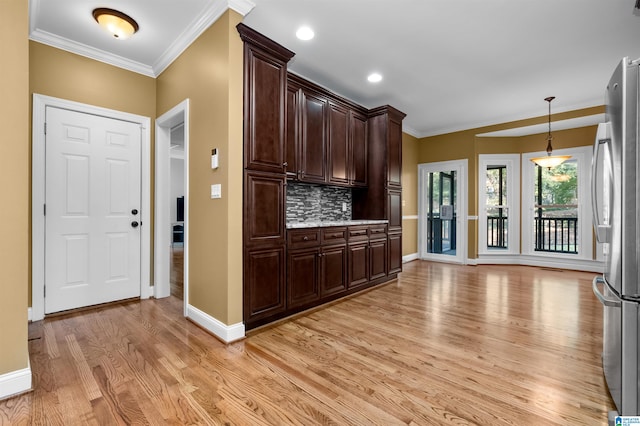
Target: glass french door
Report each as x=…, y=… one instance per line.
x=439, y=226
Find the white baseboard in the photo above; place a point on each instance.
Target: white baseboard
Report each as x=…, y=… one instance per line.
x=226, y=333
x=545, y=262
x=15, y=382
x=409, y=257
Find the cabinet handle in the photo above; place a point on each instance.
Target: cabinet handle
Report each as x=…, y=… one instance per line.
x=305, y=238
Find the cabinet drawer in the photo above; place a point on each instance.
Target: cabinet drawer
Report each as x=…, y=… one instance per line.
x=358, y=233
x=303, y=237
x=334, y=235
x=377, y=232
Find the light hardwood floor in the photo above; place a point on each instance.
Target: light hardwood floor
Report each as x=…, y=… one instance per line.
x=445, y=344
x=177, y=272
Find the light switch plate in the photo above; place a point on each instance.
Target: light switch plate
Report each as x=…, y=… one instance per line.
x=216, y=191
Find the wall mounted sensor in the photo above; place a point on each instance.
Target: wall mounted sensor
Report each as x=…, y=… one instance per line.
x=214, y=158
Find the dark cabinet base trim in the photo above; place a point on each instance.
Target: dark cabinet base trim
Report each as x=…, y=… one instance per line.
x=324, y=303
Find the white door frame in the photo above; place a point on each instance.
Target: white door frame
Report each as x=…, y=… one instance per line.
x=460, y=166
x=40, y=102
x=162, y=242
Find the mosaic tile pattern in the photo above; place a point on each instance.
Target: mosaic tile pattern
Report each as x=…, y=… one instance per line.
x=317, y=203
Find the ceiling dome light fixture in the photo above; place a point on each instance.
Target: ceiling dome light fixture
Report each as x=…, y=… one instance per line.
x=305, y=33
x=374, y=78
x=118, y=24
x=550, y=161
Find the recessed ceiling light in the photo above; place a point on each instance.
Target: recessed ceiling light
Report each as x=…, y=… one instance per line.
x=305, y=33
x=374, y=77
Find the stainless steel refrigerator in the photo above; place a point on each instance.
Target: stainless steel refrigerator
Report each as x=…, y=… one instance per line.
x=616, y=199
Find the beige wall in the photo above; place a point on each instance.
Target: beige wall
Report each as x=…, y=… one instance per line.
x=409, y=194
x=14, y=191
x=465, y=144
x=209, y=73
x=60, y=74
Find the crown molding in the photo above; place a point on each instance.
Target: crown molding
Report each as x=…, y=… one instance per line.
x=243, y=7
x=210, y=15
x=90, y=52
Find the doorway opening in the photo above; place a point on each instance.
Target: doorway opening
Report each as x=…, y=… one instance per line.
x=442, y=211
x=172, y=203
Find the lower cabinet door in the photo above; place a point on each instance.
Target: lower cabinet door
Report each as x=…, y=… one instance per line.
x=378, y=259
x=358, y=264
x=303, y=272
x=395, y=253
x=333, y=270
x=264, y=283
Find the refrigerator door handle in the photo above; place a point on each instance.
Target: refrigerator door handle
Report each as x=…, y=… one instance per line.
x=600, y=296
x=603, y=136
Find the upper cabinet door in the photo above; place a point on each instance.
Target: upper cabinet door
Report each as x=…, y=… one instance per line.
x=292, y=161
x=265, y=82
x=264, y=122
x=358, y=139
x=338, y=145
x=394, y=150
x=314, y=135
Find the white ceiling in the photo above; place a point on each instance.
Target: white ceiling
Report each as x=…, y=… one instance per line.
x=448, y=64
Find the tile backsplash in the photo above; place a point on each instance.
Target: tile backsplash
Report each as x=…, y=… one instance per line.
x=313, y=203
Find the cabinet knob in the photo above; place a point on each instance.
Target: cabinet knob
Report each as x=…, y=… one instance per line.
x=285, y=164
x=305, y=238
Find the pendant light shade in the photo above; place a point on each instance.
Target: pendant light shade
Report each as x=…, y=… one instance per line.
x=116, y=23
x=549, y=160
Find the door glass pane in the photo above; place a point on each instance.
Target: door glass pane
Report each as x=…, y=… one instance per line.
x=556, y=208
x=441, y=213
x=496, y=207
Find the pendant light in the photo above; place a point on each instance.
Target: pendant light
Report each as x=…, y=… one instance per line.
x=549, y=160
x=116, y=23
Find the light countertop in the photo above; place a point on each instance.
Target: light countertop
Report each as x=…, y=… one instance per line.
x=322, y=224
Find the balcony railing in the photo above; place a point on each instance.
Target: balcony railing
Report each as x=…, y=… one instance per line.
x=556, y=234
x=497, y=227
x=552, y=234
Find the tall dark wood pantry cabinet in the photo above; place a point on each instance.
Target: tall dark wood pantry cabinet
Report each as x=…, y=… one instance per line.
x=264, y=221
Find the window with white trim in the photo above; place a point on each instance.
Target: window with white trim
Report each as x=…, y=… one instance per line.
x=556, y=208
x=499, y=201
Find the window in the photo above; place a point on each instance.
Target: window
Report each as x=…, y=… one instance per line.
x=556, y=216
x=556, y=208
x=499, y=199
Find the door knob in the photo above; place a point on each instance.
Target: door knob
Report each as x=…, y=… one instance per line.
x=134, y=211
x=134, y=224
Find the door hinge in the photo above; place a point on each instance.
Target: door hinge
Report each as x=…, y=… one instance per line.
x=45, y=128
x=44, y=208
x=45, y=291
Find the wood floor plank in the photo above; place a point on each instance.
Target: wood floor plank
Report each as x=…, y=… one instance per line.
x=444, y=344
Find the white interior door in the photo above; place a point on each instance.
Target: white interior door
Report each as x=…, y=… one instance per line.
x=93, y=199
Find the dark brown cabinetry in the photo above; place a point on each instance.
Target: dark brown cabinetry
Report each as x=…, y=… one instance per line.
x=382, y=199
x=303, y=270
x=395, y=252
x=333, y=271
x=295, y=129
x=316, y=265
x=264, y=283
x=313, y=144
x=339, y=170
x=358, y=149
x=292, y=158
x=326, y=136
x=265, y=82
